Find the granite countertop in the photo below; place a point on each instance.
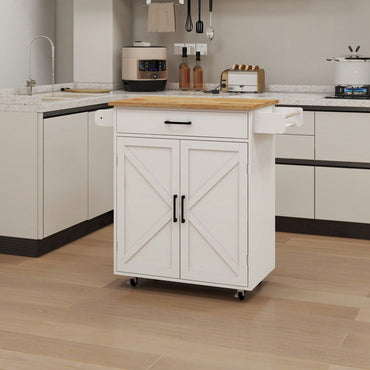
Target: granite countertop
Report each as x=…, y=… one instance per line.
x=287, y=95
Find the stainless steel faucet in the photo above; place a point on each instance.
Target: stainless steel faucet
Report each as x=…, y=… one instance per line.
x=31, y=82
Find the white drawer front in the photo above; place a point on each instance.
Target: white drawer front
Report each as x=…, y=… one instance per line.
x=295, y=146
x=295, y=191
x=210, y=124
x=343, y=136
x=342, y=194
x=308, y=127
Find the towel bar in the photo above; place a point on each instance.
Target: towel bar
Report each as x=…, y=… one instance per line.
x=181, y=2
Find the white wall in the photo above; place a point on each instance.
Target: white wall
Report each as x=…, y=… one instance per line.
x=20, y=20
x=289, y=38
x=64, y=41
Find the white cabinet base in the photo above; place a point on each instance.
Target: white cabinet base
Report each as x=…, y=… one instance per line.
x=295, y=191
x=65, y=172
x=343, y=194
x=195, y=205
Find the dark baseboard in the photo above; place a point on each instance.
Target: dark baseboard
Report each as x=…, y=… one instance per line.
x=323, y=227
x=38, y=247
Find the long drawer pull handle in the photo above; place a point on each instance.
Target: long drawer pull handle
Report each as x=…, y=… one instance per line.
x=174, y=208
x=182, y=209
x=177, y=122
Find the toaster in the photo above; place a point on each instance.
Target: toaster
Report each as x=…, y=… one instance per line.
x=243, y=78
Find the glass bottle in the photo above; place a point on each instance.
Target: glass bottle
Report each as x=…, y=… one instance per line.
x=184, y=71
x=198, y=74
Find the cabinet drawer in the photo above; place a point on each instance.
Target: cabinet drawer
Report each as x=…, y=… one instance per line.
x=295, y=191
x=295, y=146
x=343, y=136
x=187, y=123
x=342, y=194
x=308, y=127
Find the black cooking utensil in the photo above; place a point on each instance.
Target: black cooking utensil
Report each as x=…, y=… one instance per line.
x=189, y=22
x=199, y=25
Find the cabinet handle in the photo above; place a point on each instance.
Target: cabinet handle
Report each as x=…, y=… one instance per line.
x=177, y=123
x=174, y=208
x=182, y=209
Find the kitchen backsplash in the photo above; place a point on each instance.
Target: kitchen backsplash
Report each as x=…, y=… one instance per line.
x=291, y=39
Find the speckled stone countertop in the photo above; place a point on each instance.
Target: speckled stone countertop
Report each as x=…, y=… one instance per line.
x=14, y=101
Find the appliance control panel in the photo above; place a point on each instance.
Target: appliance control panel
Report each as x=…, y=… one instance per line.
x=152, y=69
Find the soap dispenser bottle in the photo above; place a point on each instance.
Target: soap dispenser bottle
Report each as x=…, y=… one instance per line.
x=184, y=71
x=198, y=74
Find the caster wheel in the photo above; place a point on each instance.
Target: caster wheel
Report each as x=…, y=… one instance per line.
x=134, y=281
x=241, y=296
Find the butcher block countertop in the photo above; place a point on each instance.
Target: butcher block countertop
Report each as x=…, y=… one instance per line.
x=194, y=103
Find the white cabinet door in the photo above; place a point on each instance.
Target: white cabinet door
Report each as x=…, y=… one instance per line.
x=342, y=136
x=343, y=194
x=214, y=234
x=65, y=172
x=295, y=191
x=147, y=179
x=295, y=146
x=100, y=168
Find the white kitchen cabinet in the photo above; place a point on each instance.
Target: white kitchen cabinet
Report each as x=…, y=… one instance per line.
x=19, y=163
x=343, y=194
x=100, y=168
x=147, y=181
x=295, y=146
x=195, y=192
x=295, y=191
x=342, y=136
x=214, y=230
x=65, y=172
x=208, y=206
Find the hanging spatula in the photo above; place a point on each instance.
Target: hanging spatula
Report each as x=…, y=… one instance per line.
x=199, y=25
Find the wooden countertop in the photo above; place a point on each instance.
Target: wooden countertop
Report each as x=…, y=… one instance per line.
x=195, y=103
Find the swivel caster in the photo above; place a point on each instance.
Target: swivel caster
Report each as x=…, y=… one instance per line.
x=134, y=281
x=240, y=294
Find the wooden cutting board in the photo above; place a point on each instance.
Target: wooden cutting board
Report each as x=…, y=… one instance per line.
x=231, y=104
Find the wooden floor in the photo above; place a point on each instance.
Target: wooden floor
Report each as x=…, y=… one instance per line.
x=66, y=310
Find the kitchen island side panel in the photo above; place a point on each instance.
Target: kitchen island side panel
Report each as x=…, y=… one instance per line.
x=261, y=245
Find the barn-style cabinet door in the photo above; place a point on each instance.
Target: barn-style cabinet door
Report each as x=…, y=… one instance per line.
x=214, y=219
x=147, y=189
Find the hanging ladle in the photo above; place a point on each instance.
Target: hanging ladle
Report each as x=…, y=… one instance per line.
x=210, y=30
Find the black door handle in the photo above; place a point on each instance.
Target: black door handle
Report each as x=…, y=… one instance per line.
x=182, y=209
x=174, y=208
x=177, y=123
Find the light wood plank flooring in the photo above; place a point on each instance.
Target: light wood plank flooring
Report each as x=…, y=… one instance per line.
x=66, y=310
